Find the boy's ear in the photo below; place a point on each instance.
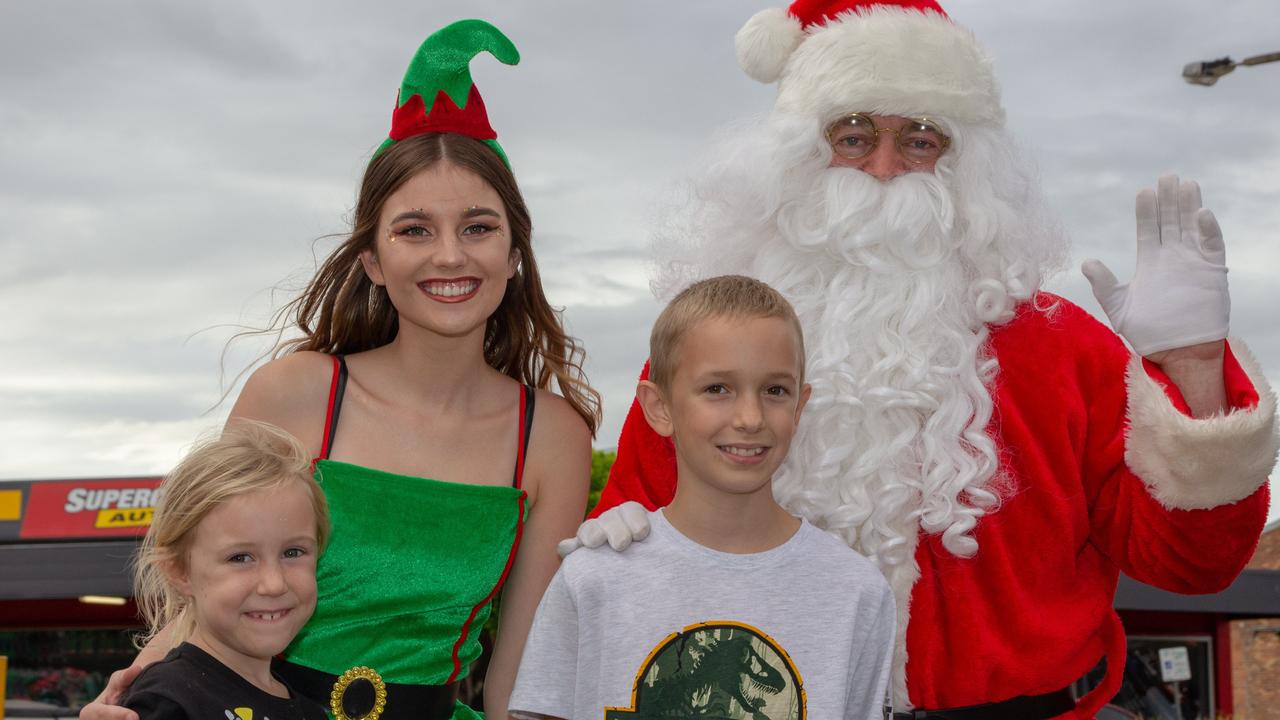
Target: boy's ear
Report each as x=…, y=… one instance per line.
x=369, y=260
x=805, y=391
x=655, y=408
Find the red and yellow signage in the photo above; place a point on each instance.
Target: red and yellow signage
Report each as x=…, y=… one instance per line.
x=82, y=508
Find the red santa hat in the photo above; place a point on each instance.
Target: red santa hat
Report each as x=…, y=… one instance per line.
x=889, y=57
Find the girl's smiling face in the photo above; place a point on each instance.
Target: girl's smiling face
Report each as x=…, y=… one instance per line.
x=250, y=575
x=443, y=251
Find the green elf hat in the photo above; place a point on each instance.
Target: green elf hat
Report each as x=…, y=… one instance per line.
x=441, y=70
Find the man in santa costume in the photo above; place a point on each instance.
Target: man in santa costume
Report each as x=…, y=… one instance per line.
x=997, y=451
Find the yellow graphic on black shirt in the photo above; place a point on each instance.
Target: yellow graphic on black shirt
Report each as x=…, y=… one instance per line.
x=241, y=713
x=719, y=669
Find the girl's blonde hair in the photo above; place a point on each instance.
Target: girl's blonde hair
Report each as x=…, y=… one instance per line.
x=247, y=457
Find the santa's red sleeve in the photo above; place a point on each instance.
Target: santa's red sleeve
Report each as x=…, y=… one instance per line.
x=1184, y=510
x=1102, y=470
x=645, y=469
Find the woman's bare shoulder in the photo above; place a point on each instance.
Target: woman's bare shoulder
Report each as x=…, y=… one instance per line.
x=290, y=391
x=556, y=420
x=558, y=466
x=560, y=441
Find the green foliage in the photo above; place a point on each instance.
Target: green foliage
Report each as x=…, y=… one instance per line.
x=601, y=461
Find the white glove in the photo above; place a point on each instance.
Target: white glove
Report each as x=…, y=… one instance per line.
x=619, y=526
x=1178, y=295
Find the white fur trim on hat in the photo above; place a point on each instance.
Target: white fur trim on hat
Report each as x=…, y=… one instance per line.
x=766, y=42
x=1195, y=464
x=891, y=61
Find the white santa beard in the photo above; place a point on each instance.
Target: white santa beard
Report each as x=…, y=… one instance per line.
x=894, y=438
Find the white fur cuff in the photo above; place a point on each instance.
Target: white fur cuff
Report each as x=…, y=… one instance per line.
x=1195, y=464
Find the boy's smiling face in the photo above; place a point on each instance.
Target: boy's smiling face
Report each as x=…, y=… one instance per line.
x=734, y=399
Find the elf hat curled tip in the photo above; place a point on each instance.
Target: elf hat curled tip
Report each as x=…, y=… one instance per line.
x=441, y=72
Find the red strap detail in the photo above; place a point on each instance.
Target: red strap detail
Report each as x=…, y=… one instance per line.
x=511, y=558
x=328, y=415
x=524, y=393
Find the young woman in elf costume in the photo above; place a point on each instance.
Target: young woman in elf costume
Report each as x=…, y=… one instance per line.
x=427, y=350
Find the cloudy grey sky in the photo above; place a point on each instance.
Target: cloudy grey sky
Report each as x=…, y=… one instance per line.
x=168, y=172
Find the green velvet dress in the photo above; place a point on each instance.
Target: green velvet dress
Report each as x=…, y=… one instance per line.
x=408, y=577
x=411, y=568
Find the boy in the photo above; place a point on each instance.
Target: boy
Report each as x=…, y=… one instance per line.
x=733, y=608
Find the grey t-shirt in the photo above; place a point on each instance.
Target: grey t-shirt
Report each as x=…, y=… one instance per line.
x=671, y=628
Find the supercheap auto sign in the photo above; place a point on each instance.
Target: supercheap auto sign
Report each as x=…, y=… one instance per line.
x=70, y=509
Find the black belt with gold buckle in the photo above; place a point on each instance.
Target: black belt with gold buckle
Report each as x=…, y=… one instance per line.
x=360, y=694
x=1023, y=707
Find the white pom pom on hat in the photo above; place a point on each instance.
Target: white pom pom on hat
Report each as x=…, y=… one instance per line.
x=889, y=57
x=766, y=42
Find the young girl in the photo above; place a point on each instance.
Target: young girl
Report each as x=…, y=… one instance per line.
x=421, y=384
x=229, y=567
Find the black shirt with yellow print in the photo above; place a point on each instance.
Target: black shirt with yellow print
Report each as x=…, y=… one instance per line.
x=190, y=684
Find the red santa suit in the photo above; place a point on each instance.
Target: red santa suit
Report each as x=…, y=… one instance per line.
x=1107, y=472
x=1100, y=466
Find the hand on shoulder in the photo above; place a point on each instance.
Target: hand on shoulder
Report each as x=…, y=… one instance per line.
x=107, y=705
x=618, y=527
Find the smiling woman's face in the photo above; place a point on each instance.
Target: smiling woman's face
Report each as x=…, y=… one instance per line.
x=443, y=251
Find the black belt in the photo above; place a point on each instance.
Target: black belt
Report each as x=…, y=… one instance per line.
x=1023, y=707
x=404, y=702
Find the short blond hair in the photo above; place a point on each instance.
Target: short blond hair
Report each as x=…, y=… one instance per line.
x=247, y=457
x=726, y=296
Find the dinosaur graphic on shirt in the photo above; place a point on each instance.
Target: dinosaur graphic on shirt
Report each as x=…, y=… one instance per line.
x=718, y=670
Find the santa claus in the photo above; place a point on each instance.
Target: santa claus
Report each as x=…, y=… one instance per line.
x=998, y=452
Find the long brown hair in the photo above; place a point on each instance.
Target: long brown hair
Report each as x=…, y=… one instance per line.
x=342, y=311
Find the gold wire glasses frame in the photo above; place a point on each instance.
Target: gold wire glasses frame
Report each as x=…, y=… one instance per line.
x=919, y=141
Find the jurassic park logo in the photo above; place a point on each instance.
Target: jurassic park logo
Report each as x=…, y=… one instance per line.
x=719, y=669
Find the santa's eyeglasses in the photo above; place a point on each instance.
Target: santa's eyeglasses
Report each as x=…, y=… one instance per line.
x=856, y=136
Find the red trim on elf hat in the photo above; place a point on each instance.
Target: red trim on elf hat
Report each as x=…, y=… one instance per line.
x=412, y=119
x=814, y=12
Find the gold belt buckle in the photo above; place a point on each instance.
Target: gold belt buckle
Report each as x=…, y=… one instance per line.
x=344, y=681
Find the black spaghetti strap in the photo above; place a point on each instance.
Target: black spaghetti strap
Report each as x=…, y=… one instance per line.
x=339, y=389
x=527, y=394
